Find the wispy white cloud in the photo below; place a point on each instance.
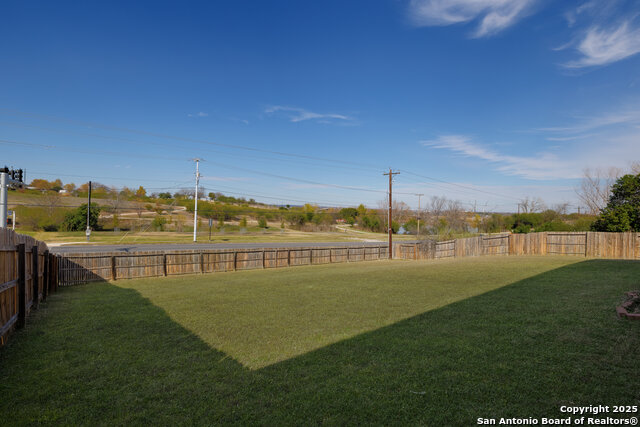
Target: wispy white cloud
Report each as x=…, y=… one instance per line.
x=622, y=117
x=493, y=15
x=567, y=138
x=602, y=46
x=199, y=114
x=295, y=114
x=573, y=14
x=539, y=167
x=613, y=140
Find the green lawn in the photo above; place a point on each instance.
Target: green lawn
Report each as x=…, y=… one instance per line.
x=435, y=342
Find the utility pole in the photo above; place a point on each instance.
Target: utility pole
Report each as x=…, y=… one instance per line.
x=419, y=211
x=195, y=211
x=390, y=211
x=88, y=232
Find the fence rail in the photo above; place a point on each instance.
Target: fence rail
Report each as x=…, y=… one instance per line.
x=587, y=244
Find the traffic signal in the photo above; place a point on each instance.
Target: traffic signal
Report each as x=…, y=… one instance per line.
x=19, y=177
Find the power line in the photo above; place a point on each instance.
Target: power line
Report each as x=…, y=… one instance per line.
x=226, y=166
x=305, y=181
x=102, y=177
x=73, y=150
x=343, y=163
x=223, y=153
x=459, y=185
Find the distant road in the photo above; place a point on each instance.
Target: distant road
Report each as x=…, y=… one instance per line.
x=204, y=246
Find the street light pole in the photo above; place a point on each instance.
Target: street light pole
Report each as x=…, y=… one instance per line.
x=88, y=231
x=195, y=210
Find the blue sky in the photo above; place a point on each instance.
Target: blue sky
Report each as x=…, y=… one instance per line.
x=483, y=101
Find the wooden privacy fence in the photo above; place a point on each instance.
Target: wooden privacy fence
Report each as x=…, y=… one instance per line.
x=28, y=274
x=80, y=268
x=91, y=267
x=587, y=244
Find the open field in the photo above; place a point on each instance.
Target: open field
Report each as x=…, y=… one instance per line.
x=253, y=235
x=434, y=342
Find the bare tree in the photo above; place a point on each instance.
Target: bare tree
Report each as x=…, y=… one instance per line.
x=561, y=208
x=530, y=205
x=595, y=187
x=434, y=210
x=454, y=215
x=51, y=200
x=115, y=201
x=401, y=211
x=139, y=208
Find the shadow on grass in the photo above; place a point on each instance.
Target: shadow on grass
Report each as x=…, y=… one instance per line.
x=100, y=354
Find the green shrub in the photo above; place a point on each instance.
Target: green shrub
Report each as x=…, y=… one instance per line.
x=622, y=212
x=76, y=220
x=158, y=223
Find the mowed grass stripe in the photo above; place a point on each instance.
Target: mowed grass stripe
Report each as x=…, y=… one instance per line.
x=263, y=317
x=437, y=343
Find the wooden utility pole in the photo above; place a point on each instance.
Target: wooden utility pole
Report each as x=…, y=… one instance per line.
x=390, y=212
x=419, y=196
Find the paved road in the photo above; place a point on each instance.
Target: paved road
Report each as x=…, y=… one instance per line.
x=204, y=246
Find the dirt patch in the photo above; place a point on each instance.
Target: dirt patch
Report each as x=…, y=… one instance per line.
x=630, y=308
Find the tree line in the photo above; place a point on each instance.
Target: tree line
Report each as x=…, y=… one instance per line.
x=612, y=200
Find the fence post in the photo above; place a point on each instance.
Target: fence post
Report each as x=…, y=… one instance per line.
x=263, y=258
x=22, y=285
x=289, y=258
x=201, y=263
x=330, y=257
x=586, y=243
x=34, y=276
x=164, y=264
x=311, y=257
x=348, y=254
x=53, y=272
x=235, y=260
x=113, y=268
x=45, y=275
x=56, y=277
